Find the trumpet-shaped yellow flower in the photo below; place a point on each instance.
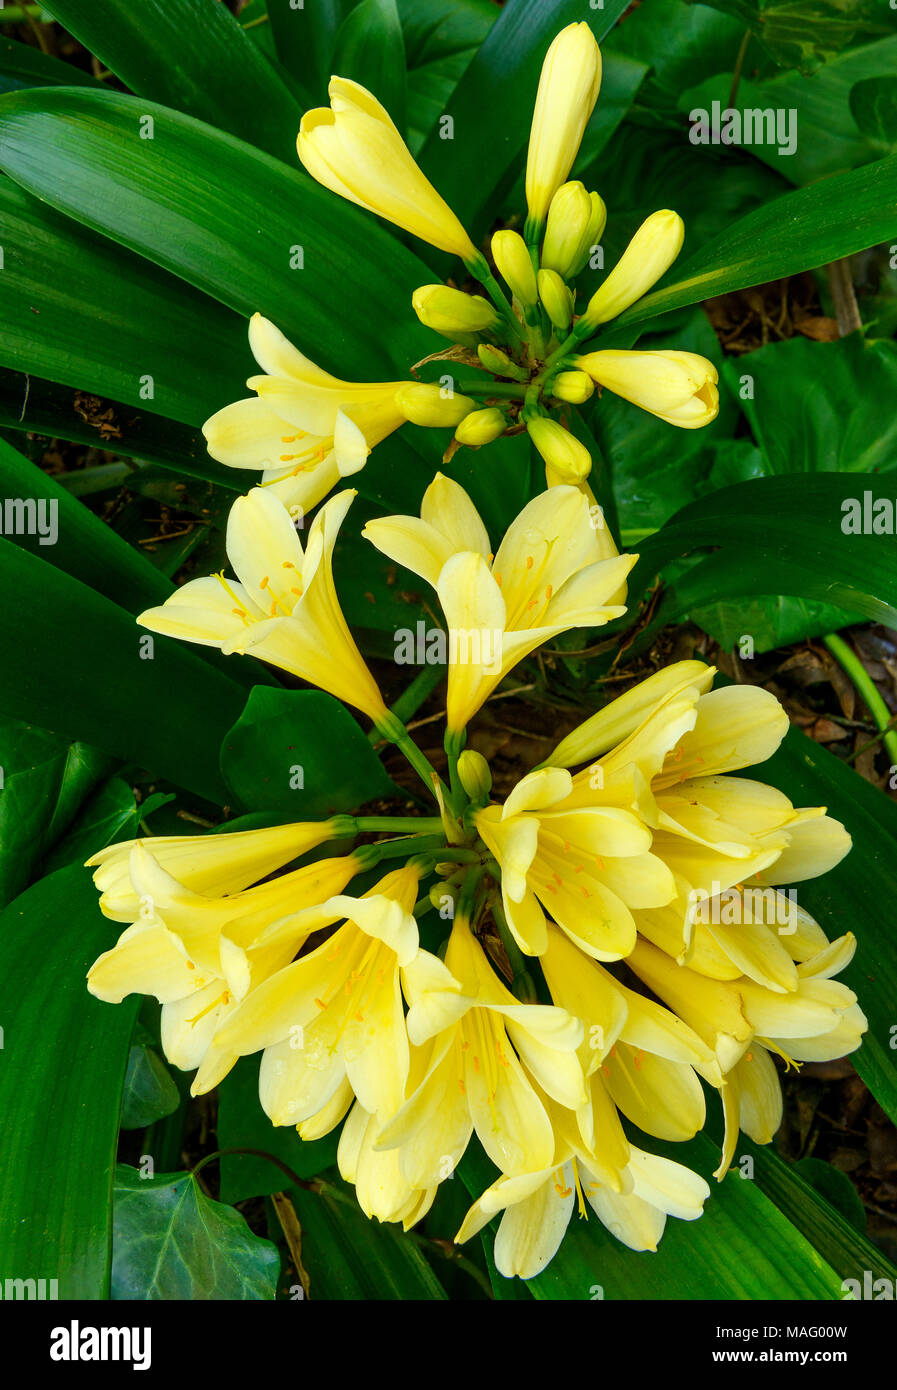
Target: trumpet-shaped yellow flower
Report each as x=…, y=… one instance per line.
x=354, y=149
x=473, y=1074
x=336, y=1014
x=678, y=387
x=215, y=865
x=199, y=955
x=742, y=1021
x=453, y=313
x=712, y=830
x=553, y=570
x=648, y=256
x=481, y=427
x=511, y=255
x=576, y=220
x=305, y=429
x=537, y=1206
x=588, y=866
x=567, y=461
x=381, y=1189
x=568, y=90
x=282, y=607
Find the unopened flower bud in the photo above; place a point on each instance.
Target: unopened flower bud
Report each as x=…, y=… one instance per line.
x=568, y=460
x=557, y=299
x=499, y=363
x=678, y=387
x=575, y=387
x=510, y=253
x=568, y=90
x=648, y=256
x=453, y=313
x=482, y=426
x=592, y=235
x=476, y=779
x=424, y=403
x=568, y=218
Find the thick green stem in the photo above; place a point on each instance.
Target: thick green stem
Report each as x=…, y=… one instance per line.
x=480, y=268
x=392, y=729
x=479, y=387
x=866, y=688
x=401, y=824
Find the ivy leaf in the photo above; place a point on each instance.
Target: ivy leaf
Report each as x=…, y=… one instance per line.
x=171, y=1241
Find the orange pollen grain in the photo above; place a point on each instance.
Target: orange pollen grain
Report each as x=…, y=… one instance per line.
x=529, y=562
x=320, y=1003
x=548, y=591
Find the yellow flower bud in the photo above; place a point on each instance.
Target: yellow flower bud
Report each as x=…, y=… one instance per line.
x=424, y=403
x=557, y=299
x=678, y=387
x=353, y=148
x=567, y=459
x=452, y=313
x=510, y=254
x=649, y=255
x=592, y=235
x=568, y=219
x=476, y=779
x=568, y=90
x=482, y=426
x=575, y=387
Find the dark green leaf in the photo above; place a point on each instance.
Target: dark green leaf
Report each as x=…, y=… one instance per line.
x=191, y=55
x=835, y=1187
x=300, y=753
x=80, y=673
x=799, y=231
x=83, y=311
x=24, y=66
x=370, y=49
x=305, y=37
x=349, y=1257
x=181, y=200
x=874, y=106
x=804, y=33
x=64, y=1049
x=171, y=1241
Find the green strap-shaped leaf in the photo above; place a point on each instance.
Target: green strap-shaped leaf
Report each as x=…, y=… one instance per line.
x=30, y=404
x=61, y=1072
x=305, y=36
x=84, y=311
x=191, y=55
x=74, y=539
x=776, y=535
x=349, y=1257
x=229, y=219
x=173, y=1242
x=24, y=66
x=801, y=230
x=370, y=50
x=492, y=106
x=78, y=671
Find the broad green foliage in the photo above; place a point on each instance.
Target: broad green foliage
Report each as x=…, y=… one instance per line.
x=146, y=214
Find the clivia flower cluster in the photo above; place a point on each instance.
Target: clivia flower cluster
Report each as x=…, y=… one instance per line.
x=532, y=970
x=520, y=358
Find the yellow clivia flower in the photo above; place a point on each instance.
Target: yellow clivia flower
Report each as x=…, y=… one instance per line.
x=587, y=866
x=553, y=570
x=381, y=1189
x=568, y=90
x=198, y=955
x=477, y=1042
x=353, y=148
x=537, y=1206
x=282, y=607
x=678, y=387
x=331, y=1024
x=305, y=429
